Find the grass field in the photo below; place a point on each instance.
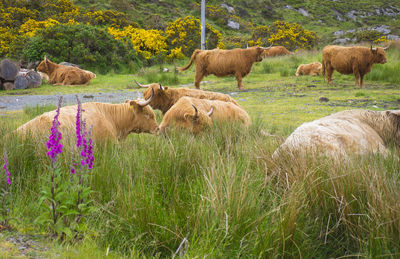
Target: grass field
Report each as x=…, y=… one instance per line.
x=220, y=194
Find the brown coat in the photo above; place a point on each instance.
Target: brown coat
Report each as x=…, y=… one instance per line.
x=351, y=60
x=219, y=62
x=183, y=114
x=276, y=51
x=312, y=69
x=108, y=121
x=165, y=97
x=346, y=132
x=64, y=75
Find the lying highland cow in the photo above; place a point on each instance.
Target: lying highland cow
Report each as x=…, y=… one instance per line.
x=108, y=121
x=345, y=133
x=196, y=114
x=276, y=51
x=351, y=60
x=313, y=69
x=165, y=97
x=64, y=75
x=220, y=62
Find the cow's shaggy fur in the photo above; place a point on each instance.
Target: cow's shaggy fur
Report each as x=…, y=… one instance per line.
x=313, y=69
x=108, y=121
x=182, y=114
x=276, y=51
x=356, y=60
x=64, y=75
x=165, y=97
x=346, y=132
x=219, y=62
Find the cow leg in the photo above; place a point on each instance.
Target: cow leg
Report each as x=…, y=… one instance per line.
x=239, y=81
x=329, y=72
x=356, y=75
x=362, y=80
x=197, y=80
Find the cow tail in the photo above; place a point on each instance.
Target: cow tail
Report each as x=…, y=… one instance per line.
x=197, y=51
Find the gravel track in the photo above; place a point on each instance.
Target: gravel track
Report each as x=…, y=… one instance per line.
x=18, y=102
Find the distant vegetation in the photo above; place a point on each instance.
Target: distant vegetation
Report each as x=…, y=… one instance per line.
x=146, y=33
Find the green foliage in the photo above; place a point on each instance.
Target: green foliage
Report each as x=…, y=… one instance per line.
x=66, y=203
x=92, y=47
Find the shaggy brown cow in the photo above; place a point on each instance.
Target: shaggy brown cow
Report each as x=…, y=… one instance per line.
x=276, y=51
x=346, y=132
x=165, y=97
x=108, y=121
x=351, y=60
x=222, y=62
x=64, y=75
x=313, y=69
x=196, y=114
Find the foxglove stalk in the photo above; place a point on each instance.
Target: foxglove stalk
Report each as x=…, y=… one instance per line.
x=53, y=144
x=5, y=168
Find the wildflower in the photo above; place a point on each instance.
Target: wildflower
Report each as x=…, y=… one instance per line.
x=5, y=168
x=90, y=157
x=78, y=123
x=53, y=144
x=85, y=146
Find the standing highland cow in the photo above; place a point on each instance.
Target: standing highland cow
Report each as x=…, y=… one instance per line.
x=351, y=60
x=220, y=62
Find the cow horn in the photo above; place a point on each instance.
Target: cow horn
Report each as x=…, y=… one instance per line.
x=146, y=102
x=211, y=111
x=196, y=111
x=140, y=85
x=161, y=87
x=385, y=48
x=270, y=46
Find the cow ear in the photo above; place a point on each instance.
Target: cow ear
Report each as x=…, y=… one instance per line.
x=133, y=105
x=165, y=88
x=127, y=101
x=188, y=116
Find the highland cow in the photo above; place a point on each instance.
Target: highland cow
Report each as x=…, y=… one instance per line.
x=165, y=97
x=64, y=75
x=219, y=62
x=313, y=69
x=351, y=60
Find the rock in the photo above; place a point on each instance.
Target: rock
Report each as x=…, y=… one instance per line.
x=303, y=12
x=34, y=79
x=8, y=86
x=338, y=33
x=20, y=82
x=233, y=24
x=311, y=86
x=69, y=64
x=88, y=96
x=288, y=7
x=230, y=9
x=342, y=41
x=392, y=37
x=352, y=15
x=8, y=69
x=323, y=100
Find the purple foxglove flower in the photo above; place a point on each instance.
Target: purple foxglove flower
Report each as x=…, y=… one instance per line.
x=53, y=144
x=5, y=168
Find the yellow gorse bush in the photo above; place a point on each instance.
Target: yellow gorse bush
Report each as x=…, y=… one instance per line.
x=183, y=37
x=289, y=35
x=29, y=28
x=147, y=43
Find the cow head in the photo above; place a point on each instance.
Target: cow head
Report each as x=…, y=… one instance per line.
x=379, y=55
x=261, y=52
x=196, y=121
x=43, y=66
x=161, y=100
x=144, y=119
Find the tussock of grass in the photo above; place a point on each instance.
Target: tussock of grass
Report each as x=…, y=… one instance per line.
x=222, y=191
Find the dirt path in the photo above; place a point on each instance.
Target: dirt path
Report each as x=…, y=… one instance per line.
x=18, y=102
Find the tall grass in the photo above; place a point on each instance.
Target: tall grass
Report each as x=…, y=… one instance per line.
x=223, y=193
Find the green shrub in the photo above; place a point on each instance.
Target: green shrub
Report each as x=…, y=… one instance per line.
x=91, y=47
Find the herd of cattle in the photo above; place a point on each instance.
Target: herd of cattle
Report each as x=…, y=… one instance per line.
x=359, y=131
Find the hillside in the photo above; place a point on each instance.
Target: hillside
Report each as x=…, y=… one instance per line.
x=335, y=19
